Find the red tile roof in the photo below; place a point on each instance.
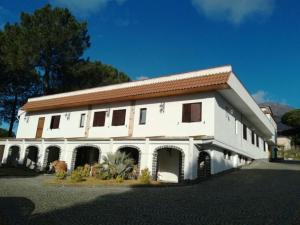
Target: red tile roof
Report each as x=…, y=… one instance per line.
x=145, y=91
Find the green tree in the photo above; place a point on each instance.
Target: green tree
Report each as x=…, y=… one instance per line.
x=57, y=40
x=292, y=119
x=17, y=77
x=86, y=74
x=4, y=133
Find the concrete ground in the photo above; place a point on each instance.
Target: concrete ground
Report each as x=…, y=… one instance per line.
x=260, y=194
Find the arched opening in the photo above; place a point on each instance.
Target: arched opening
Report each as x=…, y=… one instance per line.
x=168, y=165
x=13, y=156
x=31, y=157
x=86, y=155
x=132, y=152
x=135, y=154
x=52, y=154
x=204, y=165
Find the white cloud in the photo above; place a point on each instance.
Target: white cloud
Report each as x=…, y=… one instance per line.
x=85, y=7
x=261, y=96
x=142, y=78
x=234, y=11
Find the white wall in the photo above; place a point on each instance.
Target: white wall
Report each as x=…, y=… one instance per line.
x=229, y=130
x=167, y=123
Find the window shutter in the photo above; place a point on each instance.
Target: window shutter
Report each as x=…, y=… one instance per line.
x=196, y=109
x=99, y=119
x=186, y=113
x=119, y=117
x=55, y=122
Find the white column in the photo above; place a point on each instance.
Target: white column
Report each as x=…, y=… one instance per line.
x=22, y=152
x=145, y=156
x=6, y=149
x=191, y=172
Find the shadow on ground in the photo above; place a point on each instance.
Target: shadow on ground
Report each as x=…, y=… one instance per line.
x=254, y=196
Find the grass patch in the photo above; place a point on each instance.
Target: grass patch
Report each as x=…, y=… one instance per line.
x=92, y=182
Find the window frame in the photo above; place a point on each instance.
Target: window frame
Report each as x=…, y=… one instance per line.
x=82, y=120
x=187, y=113
x=145, y=119
x=245, y=132
x=53, y=125
x=253, y=137
x=102, y=124
x=115, y=122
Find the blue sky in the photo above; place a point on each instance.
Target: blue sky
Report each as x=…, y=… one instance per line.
x=259, y=38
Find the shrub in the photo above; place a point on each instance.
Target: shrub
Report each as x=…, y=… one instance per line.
x=76, y=175
x=86, y=171
x=61, y=175
x=118, y=164
x=119, y=179
x=145, y=176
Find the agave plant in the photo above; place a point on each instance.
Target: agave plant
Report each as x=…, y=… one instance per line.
x=118, y=164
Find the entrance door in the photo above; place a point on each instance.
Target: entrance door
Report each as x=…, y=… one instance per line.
x=40, y=127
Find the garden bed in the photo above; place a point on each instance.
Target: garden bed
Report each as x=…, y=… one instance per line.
x=92, y=182
x=17, y=172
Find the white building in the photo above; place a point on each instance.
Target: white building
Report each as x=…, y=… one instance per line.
x=180, y=127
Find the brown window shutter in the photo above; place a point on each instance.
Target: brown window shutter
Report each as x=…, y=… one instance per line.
x=196, y=113
x=186, y=113
x=119, y=117
x=99, y=119
x=55, y=122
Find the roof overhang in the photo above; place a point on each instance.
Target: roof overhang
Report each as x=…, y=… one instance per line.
x=158, y=89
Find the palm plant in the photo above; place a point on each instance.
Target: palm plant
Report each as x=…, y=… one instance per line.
x=118, y=164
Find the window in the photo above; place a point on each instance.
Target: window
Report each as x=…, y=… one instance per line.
x=54, y=122
x=253, y=137
x=119, y=117
x=191, y=112
x=82, y=120
x=264, y=146
x=245, y=132
x=143, y=113
x=257, y=141
x=99, y=119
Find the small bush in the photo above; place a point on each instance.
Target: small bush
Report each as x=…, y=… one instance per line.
x=76, y=175
x=86, y=171
x=119, y=179
x=61, y=175
x=145, y=176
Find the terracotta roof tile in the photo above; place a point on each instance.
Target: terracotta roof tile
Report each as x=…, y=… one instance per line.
x=153, y=90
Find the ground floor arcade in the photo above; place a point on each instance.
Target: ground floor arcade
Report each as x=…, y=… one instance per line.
x=170, y=160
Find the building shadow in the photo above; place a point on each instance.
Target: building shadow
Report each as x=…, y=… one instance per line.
x=15, y=210
x=254, y=197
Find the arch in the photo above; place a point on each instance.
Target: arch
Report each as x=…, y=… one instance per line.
x=85, y=154
x=173, y=168
x=52, y=153
x=204, y=165
x=31, y=156
x=133, y=151
x=13, y=155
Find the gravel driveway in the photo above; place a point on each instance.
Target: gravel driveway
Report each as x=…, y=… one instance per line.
x=260, y=194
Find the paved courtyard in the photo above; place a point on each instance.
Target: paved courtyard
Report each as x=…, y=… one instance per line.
x=260, y=194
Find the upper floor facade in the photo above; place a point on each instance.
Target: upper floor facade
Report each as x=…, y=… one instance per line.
x=209, y=103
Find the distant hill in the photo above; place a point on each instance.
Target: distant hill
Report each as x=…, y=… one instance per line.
x=278, y=110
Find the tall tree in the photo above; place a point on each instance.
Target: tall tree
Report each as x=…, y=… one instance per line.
x=17, y=77
x=57, y=40
x=87, y=74
x=292, y=119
